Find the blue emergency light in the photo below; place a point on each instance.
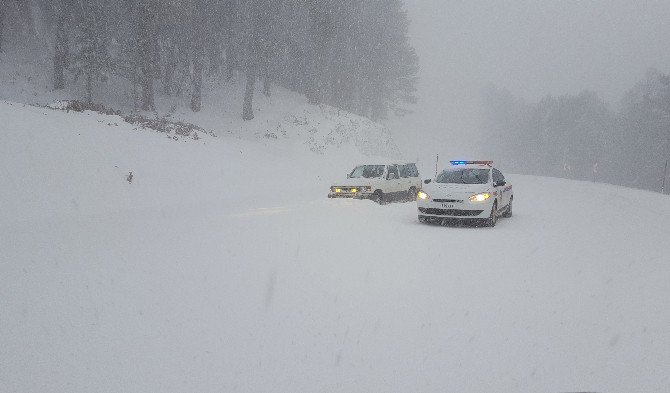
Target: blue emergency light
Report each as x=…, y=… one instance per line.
x=489, y=163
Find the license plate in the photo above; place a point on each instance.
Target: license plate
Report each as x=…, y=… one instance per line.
x=448, y=205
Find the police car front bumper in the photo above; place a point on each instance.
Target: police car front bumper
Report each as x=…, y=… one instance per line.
x=454, y=209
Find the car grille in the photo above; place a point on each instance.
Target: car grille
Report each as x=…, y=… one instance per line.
x=451, y=212
x=447, y=200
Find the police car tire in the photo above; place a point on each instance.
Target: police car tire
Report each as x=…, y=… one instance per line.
x=508, y=212
x=491, y=221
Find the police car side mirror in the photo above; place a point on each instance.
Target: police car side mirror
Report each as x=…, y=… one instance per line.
x=500, y=183
x=427, y=181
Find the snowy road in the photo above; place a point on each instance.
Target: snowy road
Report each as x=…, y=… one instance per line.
x=193, y=279
x=342, y=296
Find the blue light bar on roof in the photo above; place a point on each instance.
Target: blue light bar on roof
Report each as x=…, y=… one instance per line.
x=489, y=163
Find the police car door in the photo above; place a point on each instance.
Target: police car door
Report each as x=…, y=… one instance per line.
x=500, y=186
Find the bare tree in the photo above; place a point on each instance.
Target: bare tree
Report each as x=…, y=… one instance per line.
x=61, y=51
x=198, y=19
x=2, y=22
x=148, y=52
x=252, y=58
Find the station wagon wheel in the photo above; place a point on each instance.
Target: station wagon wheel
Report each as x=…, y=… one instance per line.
x=378, y=197
x=411, y=194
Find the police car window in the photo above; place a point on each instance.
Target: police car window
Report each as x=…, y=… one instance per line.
x=464, y=176
x=497, y=176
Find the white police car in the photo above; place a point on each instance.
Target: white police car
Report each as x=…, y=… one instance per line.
x=472, y=190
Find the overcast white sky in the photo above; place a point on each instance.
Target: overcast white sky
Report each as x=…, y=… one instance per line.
x=532, y=48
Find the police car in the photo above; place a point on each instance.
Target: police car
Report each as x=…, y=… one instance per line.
x=472, y=190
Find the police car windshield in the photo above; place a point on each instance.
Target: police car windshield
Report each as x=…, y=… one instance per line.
x=367, y=171
x=464, y=176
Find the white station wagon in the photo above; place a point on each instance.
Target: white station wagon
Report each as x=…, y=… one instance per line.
x=466, y=190
x=380, y=182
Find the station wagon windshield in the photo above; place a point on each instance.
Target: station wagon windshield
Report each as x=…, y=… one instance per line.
x=464, y=176
x=367, y=171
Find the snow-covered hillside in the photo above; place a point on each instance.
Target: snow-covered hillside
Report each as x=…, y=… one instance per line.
x=283, y=118
x=223, y=267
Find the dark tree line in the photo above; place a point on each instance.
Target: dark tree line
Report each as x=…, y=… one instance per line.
x=352, y=54
x=581, y=137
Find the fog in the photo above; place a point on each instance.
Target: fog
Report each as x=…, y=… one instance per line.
x=532, y=48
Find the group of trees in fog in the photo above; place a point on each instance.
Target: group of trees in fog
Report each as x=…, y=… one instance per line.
x=352, y=54
x=581, y=137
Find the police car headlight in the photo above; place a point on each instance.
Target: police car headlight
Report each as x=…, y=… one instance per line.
x=480, y=197
x=422, y=195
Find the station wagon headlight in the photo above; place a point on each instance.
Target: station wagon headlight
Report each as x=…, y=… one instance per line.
x=422, y=195
x=480, y=197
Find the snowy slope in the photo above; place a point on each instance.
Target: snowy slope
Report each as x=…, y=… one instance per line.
x=223, y=267
x=284, y=118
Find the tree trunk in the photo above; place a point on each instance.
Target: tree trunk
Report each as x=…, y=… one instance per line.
x=196, y=98
x=231, y=51
x=60, y=51
x=136, y=94
x=147, y=91
x=2, y=22
x=267, y=91
x=89, y=87
x=26, y=11
x=267, y=82
x=198, y=23
x=319, y=31
x=248, y=109
x=214, y=57
x=147, y=53
x=230, y=63
x=170, y=69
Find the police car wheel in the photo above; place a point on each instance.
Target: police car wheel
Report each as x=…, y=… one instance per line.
x=508, y=212
x=493, y=219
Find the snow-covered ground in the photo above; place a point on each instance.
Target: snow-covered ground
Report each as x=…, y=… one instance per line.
x=283, y=118
x=224, y=267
